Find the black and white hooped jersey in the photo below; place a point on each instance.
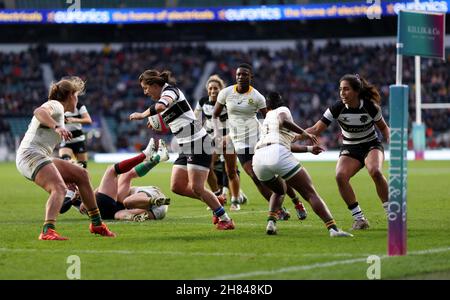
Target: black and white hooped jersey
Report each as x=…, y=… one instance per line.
x=76, y=128
x=180, y=117
x=357, y=124
x=207, y=107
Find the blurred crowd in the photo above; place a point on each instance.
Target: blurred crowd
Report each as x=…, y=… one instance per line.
x=307, y=77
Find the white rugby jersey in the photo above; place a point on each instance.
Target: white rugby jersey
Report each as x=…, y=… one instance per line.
x=242, y=109
x=40, y=137
x=273, y=133
x=180, y=117
x=207, y=107
x=357, y=124
x=76, y=128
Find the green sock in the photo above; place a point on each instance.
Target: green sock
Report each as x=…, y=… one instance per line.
x=143, y=168
x=95, y=217
x=48, y=226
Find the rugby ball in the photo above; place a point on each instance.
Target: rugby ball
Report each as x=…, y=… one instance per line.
x=157, y=123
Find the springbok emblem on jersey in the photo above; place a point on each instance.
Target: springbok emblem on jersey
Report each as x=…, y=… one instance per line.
x=364, y=118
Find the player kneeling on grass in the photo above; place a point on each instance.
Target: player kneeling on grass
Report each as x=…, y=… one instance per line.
x=274, y=163
x=117, y=199
x=34, y=158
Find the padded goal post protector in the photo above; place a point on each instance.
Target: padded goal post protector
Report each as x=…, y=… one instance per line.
x=418, y=131
x=398, y=148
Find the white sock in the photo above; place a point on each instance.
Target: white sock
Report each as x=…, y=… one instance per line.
x=234, y=200
x=224, y=217
x=70, y=194
x=357, y=213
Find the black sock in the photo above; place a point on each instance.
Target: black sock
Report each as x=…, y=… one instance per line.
x=331, y=224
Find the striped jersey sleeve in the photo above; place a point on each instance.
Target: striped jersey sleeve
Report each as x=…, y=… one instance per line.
x=333, y=112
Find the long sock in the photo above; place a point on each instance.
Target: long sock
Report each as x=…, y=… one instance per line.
x=143, y=168
x=128, y=164
x=95, y=217
x=48, y=224
x=273, y=216
x=356, y=211
x=220, y=212
x=331, y=224
x=386, y=207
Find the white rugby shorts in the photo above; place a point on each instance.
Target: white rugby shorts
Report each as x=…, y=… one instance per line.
x=273, y=160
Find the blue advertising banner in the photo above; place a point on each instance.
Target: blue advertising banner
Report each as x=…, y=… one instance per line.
x=372, y=9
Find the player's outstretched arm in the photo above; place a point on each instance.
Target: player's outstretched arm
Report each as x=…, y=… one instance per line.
x=318, y=128
x=316, y=149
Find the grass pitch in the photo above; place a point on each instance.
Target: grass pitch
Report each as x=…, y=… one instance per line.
x=185, y=245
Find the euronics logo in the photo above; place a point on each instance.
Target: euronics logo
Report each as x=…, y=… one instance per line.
x=74, y=14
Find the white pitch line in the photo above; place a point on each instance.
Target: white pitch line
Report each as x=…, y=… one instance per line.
x=318, y=265
x=176, y=253
x=287, y=269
